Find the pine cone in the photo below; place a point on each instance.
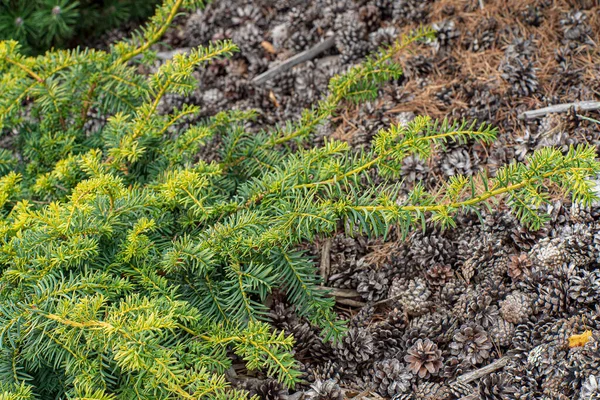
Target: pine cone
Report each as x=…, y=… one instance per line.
x=590, y=390
x=413, y=169
x=271, y=390
x=411, y=296
x=439, y=274
x=197, y=31
x=576, y=29
x=370, y=15
x=445, y=33
x=373, y=285
x=584, y=287
x=459, y=162
x=387, y=336
x=471, y=344
x=532, y=15
x=325, y=390
x=552, y=297
x=521, y=75
x=516, y=308
x=496, y=387
x=410, y=10
x=502, y=332
x=519, y=266
x=351, y=39
x=429, y=248
x=424, y=358
x=454, y=367
x=383, y=37
x=451, y=291
x=481, y=310
x=330, y=370
x=484, y=35
x=355, y=349
x=389, y=377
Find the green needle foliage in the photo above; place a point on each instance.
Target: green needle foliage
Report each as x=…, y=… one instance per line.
x=133, y=270
x=41, y=24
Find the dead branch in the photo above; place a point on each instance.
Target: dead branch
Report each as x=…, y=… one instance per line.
x=560, y=108
x=295, y=60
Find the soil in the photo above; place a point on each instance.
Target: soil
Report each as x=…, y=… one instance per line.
x=425, y=311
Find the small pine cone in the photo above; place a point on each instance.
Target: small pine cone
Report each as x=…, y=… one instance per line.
x=325, y=390
x=351, y=38
x=578, y=245
x=454, y=367
x=299, y=41
x=584, y=287
x=248, y=38
x=520, y=48
x=418, y=66
x=481, y=310
x=197, y=31
x=459, y=162
x=502, y=332
x=590, y=390
x=451, y=291
x=281, y=316
x=328, y=371
x=439, y=274
x=370, y=15
x=484, y=36
x=553, y=297
x=460, y=390
x=532, y=15
x=445, y=34
x=270, y=390
x=389, y=377
x=429, y=390
x=410, y=10
x=372, y=284
x=383, y=37
x=412, y=296
x=430, y=248
x=471, y=344
x=496, y=386
x=576, y=29
x=308, y=343
x=413, y=169
x=519, y=266
x=521, y=76
x=523, y=238
x=548, y=253
x=355, y=349
x=387, y=336
x=516, y=308
x=424, y=358
x=437, y=326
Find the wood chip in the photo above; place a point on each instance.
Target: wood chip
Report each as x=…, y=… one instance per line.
x=268, y=47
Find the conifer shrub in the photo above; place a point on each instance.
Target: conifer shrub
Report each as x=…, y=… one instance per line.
x=131, y=268
x=41, y=24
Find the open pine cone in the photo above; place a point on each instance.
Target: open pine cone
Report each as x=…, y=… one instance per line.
x=424, y=358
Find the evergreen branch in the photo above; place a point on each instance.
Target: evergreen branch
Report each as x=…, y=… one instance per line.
x=160, y=24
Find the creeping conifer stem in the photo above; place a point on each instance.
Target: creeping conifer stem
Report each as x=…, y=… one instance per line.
x=374, y=161
x=475, y=200
x=25, y=69
x=157, y=35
